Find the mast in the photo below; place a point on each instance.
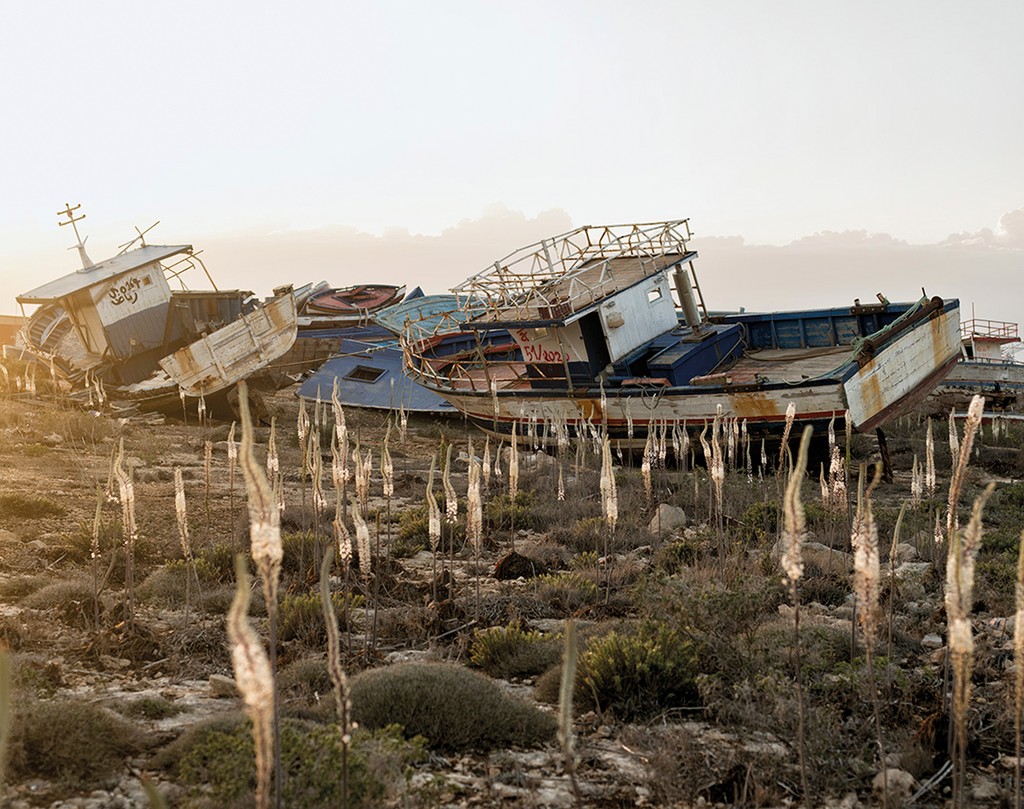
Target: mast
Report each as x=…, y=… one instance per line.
x=69, y=212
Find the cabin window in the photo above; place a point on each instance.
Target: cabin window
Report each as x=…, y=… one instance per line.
x=654, y=295
x=365, y=373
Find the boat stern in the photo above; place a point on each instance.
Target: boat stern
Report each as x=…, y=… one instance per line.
x=899, y=366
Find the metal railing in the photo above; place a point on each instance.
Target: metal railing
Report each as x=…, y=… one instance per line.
x=557, y=276
x=993, y=329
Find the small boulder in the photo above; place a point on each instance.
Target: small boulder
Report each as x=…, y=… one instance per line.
x=515, y=566
x=820, y=556
x=912, y=571
x=222, y=687
x=898, y=784
x=667, y=518
x=905, y=552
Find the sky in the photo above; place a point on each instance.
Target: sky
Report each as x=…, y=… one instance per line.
x=821, y=150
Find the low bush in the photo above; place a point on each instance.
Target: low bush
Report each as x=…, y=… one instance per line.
x=72, y=599
x=69, y=740
x=638, y=675
x=149, y=707
x=511, y=651
x=301, y=616
x=216, y=759
x=452, y=707
x=567, y=593
x=17, y=506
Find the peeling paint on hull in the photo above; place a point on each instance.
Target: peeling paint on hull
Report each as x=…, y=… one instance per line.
x=236, y=351
x=899, y=375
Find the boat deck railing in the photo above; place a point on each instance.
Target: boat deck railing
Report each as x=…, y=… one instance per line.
x=556, y=277
x=991, y=329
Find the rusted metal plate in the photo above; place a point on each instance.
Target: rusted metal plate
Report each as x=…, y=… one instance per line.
x=236, y=351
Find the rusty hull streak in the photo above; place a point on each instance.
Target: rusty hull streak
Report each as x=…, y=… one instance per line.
x=754, y=406
x=871, y=390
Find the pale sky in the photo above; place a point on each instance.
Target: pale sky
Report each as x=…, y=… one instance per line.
x=418, y=141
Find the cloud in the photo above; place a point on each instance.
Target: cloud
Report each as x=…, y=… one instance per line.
x=848, y=239
x=263, y=259
x=1008, y=235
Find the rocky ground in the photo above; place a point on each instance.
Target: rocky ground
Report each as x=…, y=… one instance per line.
x=154, y=656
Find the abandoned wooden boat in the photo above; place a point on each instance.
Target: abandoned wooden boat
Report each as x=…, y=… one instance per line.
x=327, y=307
x=987, y=367
x=600, y=342
x=118, y=323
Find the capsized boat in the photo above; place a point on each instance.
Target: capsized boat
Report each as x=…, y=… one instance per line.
x=117, y=326
x=600, y=341
x=987, y=367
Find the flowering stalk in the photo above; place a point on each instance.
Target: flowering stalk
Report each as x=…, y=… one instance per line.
x=126, y=489
x=181, y=513
x=335, y=671
x=971, y=425
x=1018, y=671
x=929, y=458
x=866, y=578
x=794, y=529
x=960, y=564
x=513, y=483
x=264, y=546
x=254, y=676
x=475, y=519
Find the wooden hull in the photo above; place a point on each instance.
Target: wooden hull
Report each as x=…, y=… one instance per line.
x=236, y=351
x=901, y=371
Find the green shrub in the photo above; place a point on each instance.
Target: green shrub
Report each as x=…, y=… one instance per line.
x=302, y=554
x=414, y=530
x=216, y=758
x=33, y=674
x=452, y=707
x=761, y=520
x=499, y=515
x=822, y=647
x=149, y=707
x=639, y=675
x=511, y=651
x=301, y=616
x=14, y=505
x=73, y=741
x=566, y=592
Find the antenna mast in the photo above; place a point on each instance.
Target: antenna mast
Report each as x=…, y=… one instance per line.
x=69, y=212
